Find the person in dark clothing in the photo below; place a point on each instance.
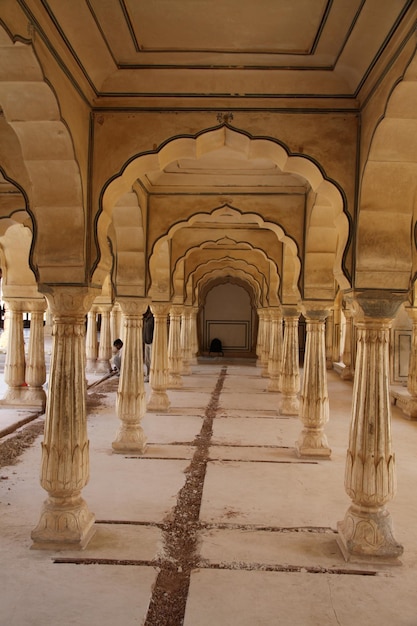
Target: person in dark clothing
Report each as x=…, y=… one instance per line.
x=148, y=328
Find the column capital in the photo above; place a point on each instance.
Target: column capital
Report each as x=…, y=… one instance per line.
x=162, y=308
x=176, y=310
x=290, y=311
x=133, y=305
x=377, y=304
x=69, y=300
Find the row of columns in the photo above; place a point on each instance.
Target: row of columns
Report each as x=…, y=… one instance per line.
x=65, y=520
x=366, y=530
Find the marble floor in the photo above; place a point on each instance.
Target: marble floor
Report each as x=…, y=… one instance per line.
x=220, y=473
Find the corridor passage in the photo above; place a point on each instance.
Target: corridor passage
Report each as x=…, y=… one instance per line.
x=219, y=523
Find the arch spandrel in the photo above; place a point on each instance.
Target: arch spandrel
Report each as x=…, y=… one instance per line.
x=385, y=256
x=49, y=173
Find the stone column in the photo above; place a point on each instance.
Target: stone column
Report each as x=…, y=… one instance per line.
x=66, y=522
x=347, y=372
x=290, y=370
x=105, y=345
x=408, y=402
x=91, y=341
x=267, y=342
x=15, y=366
x=116, y=327
x=336, y=334
x=158, y=399
x=314, y=399
x=131, y=402
x=370, y=481
x=260, y=338
x=193, y=335
x=185, y=341
x=174, y=348
x=329, y=341
x=4, y=337
x=275, y=352
x=35, y=363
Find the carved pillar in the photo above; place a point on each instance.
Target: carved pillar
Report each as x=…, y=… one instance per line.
x=366, y=530
x=260, y=338
x=35, y=363
x=131, y=402
x=267, y=342
x=91, y=340
x=4, y=337
x=105, y=345
x=185, y=341
x=174, y=348
x=290, y=371
x=158, y=399
x=347, y=372
x=275, y=352
x=66, y=522
x=193, y=335
x=314, y=399
x=116, y=326
x=336, y=334
x=329, y=341
x=14, y=369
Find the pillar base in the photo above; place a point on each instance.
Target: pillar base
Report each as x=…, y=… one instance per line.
x=23, y=397
x=130, y=439
x=290, y=405
x=366, y=535
x=158, y=401
x=274, y=385
x=175, y=381
x=65, y=524
x=186, y=369
x=347, y=373
x=312, y=444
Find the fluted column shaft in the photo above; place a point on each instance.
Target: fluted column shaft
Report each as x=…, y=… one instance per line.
x=15, y=366
x=260, y=338
x=116, y=326
x=131, y=402
x=275, y=351
x=174, y=348
x=193, y=335
x=266, y=344
x=65, y=520
x=35, y=363
x=290, y=371
x=105, y=345
x=347, y=372
x=370, y=464
x=4, y=337
x=329, y=341
x=185, y=341
x=412, y=364
x=91, y=340
x=314, y=399
x=158, y=399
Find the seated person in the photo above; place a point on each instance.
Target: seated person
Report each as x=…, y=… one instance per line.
x=116, y=362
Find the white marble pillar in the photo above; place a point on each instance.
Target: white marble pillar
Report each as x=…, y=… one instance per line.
x=408, y=402
x=185, y=341
x=15, y=365
x=131, y=401
x=65, y=520
x=336, y=334
x=158, y=380
x=347, y=372
x=260, y=338
x=290, y=370
x=329, y=341
x=35, y=363
x=370, y=481
x=91, y=340
x=266, y=344
x=116, y=325
x=314, y=399
x=4, y=337
x=174, y=348
x=275, y=352
x=193, y=335
x=105, y=345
